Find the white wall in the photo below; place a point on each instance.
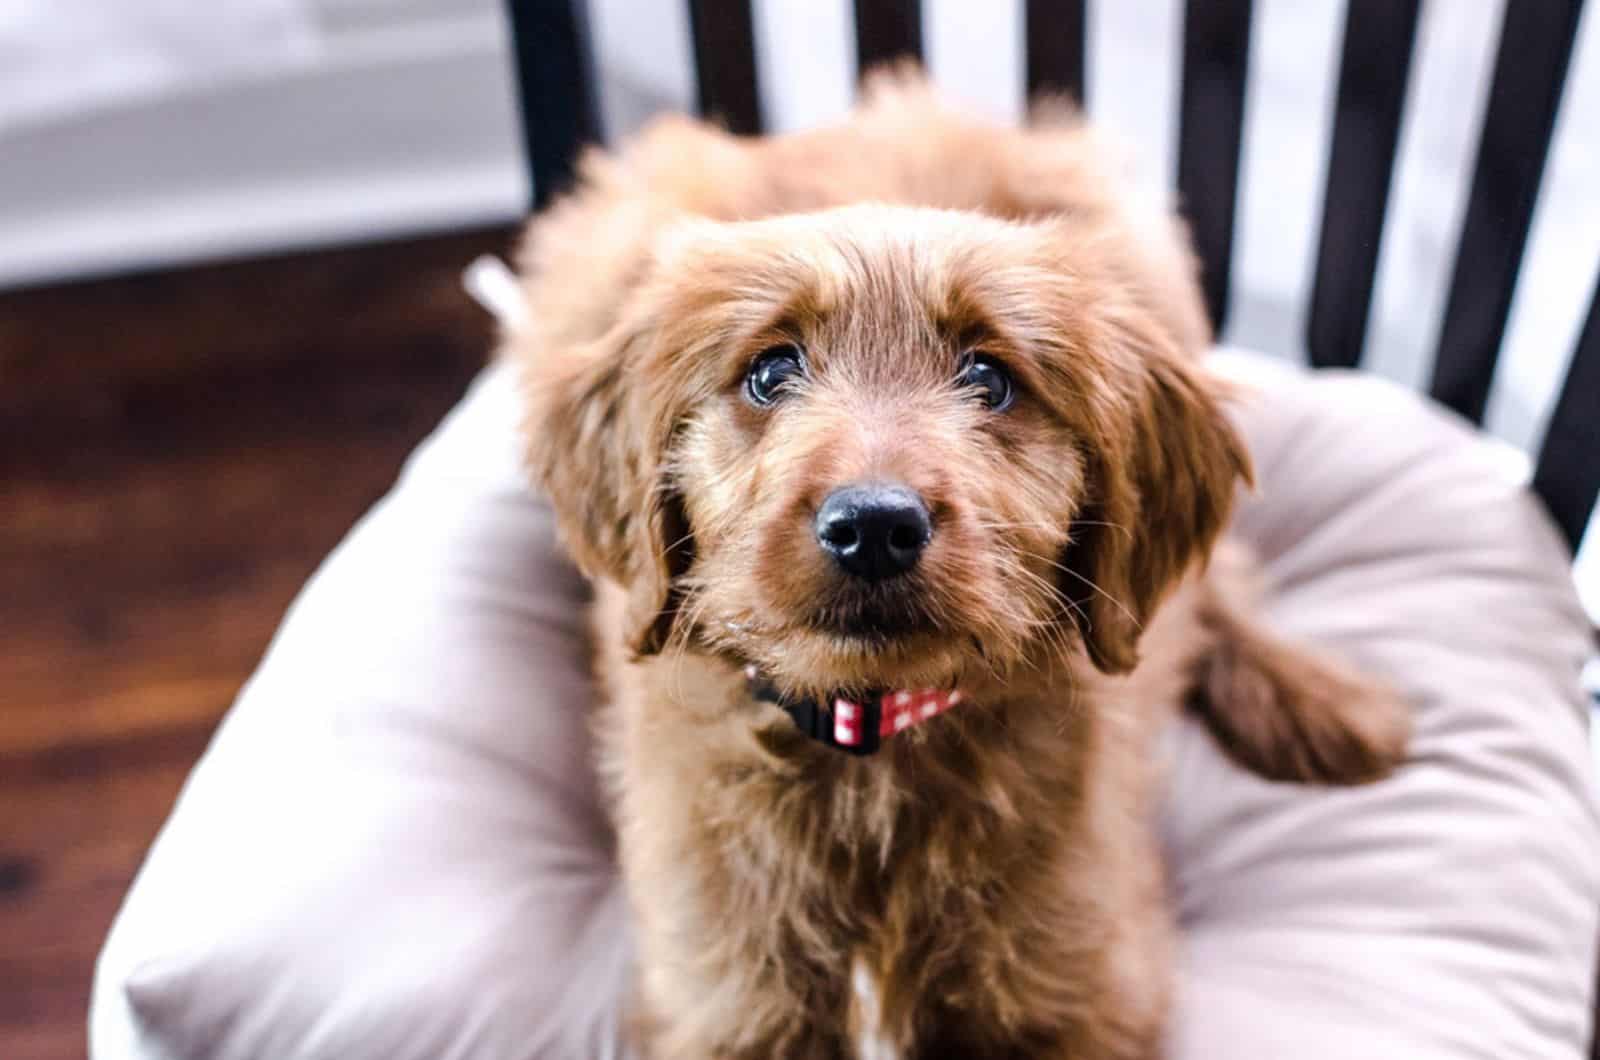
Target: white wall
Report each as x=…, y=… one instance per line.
x=266, y=124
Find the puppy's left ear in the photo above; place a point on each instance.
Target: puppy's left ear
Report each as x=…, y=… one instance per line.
x=598, y=440
x=1162, y=480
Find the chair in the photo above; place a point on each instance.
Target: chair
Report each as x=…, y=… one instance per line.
x=560, y=115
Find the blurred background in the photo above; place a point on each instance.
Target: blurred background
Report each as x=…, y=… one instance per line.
x=231, y=240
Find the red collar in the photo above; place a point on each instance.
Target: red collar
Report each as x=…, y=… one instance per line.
x=857, y=726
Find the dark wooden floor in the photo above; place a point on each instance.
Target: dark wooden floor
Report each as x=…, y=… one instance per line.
x=177, y=452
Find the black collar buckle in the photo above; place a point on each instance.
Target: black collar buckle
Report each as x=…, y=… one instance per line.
x=818, y=722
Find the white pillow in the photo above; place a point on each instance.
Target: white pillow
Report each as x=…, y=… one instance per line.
x=393, y=849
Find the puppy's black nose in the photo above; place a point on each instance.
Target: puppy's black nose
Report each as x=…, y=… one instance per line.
x=873, y=531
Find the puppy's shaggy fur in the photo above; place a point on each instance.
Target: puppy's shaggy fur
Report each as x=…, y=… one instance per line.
x=990, y=874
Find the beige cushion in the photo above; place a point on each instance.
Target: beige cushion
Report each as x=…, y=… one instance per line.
x=393, y=848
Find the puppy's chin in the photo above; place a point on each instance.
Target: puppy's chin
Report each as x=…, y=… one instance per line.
x=819, y=662
x=872, y=626
x=879, y=635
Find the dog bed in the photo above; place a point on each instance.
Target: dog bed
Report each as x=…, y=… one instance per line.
x=394, y=848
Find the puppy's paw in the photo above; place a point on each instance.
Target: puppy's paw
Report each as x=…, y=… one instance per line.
x=1287, y=714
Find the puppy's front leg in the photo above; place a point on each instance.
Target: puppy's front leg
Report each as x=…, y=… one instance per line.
x=802, y=1036
x=1078, y=971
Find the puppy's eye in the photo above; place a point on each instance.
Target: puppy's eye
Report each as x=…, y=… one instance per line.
x=989, y=379
x=773, y=371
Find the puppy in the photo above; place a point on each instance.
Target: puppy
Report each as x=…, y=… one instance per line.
x=895, y=438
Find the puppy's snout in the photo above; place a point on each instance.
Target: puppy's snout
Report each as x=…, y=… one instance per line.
x=874, y=531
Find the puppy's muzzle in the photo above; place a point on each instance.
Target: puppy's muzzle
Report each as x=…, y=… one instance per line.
x=874, y=531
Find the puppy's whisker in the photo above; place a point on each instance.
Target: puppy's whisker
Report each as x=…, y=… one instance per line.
x=684, y=540
x=1064, y=569
x=678, y=641
x=1015, y=567
x=1020, y=570
x=984, y=524
x=1095, y=522
x=1124, y=608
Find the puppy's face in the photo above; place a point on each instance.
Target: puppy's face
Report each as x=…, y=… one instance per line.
x=884, y=447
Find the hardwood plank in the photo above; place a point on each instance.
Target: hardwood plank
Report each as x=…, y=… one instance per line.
x=101, y=351
x=178, y=451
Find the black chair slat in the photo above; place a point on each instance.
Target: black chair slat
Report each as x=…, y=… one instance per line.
x=1056, y=34
x=1567, y=475
x=1216, y=56
x=555, y=83
x=1529, y=72
x=887, y=30
x=1373, y=69
x=725, y=63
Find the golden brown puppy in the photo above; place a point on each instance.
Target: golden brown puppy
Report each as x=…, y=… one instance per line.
x=908, y=404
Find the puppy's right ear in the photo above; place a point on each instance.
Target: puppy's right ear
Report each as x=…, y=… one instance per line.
x=601, y=415
x=597, y=443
